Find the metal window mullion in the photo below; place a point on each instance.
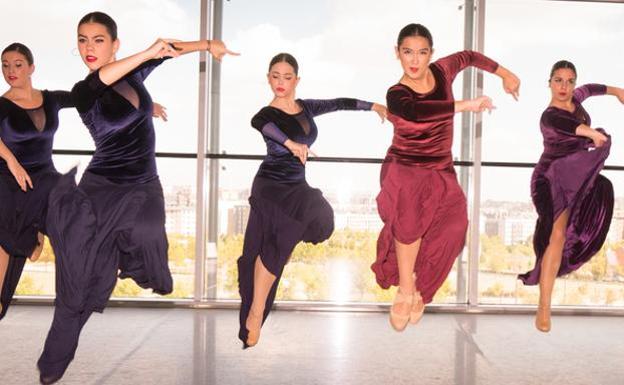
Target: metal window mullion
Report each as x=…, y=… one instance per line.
x=466, y=146
x=214, y=148
x=202, y=130
x=473, y=258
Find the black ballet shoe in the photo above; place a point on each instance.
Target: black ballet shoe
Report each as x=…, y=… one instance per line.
x=48, y=380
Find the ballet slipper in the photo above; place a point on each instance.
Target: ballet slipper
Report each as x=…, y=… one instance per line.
x=542, y=318
x=253, y=325
x=38, y=249
x=397, y=320
x=418, y=308
x=48, y=380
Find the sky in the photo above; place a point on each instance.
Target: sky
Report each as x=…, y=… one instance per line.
x=344, y=48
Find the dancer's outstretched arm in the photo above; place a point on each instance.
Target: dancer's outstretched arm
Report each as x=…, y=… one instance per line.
x=114, y=71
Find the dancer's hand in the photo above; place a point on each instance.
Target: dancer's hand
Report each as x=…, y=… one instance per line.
x=598, y=138
x=479, y=104
x=218, y=50
x=160, y=111
x=381, y=110
x=299, y=150
x=511, y=83
x=20, y=175
x=162, y=48
x=619, y=93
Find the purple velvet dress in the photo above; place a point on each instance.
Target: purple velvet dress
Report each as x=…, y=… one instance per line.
x=29, y=134
x=285, y=210
x=567, y=177
x=113, y=223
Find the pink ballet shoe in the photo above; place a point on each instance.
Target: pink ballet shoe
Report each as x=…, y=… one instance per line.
x=397, y=320
x=542, y=319
x=253, y=325
x=418, y=308
x=37, y=251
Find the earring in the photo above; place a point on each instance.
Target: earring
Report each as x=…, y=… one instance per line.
x=74, y=52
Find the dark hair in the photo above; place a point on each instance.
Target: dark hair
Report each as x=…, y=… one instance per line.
x=411, y=30
x=285, y=58
x=101, y=18
x=562, y=64
x=20, y=48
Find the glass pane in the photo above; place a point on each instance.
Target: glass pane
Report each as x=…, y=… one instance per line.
x=58, y=65
x=507, y=224
x=178, y=180
x=341, y=52
x=335, y=270
x=512, y=132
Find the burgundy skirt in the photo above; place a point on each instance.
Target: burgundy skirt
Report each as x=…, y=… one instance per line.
x=415, y=203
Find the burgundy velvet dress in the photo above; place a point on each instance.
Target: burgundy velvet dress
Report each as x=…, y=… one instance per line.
x=567, y=177
x=420, y=196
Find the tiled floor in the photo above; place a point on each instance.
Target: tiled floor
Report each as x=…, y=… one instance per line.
x=184, y=346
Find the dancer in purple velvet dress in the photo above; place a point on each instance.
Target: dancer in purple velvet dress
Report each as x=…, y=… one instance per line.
x=285, y=210
x=573, y=201
x=28, y=122
x=114, y=220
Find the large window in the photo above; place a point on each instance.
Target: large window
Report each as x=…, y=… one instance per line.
x=345, y=49
x=174, y=85
x=549, y=32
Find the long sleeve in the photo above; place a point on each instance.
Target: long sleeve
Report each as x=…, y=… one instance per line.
x=318, y=107
x=270, y=130
x=451, y=65
x=146, y=68
x=86, y=92
x=403, y=103
x=585, y=91
x=63, y=98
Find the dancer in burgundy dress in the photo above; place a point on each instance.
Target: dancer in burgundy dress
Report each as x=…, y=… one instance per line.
x=285, y=210
x=28, y=122
x=114, y=220
x=574, y=202
x=421, y=204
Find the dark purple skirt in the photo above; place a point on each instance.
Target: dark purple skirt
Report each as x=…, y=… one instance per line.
x=281, y=216
x=100, y=230
x=571, y=182
x=22, y=216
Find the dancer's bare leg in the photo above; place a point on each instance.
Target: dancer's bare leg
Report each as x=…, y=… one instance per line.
x=38, y=249
x=263, y=281
x=403, y=301
x=549, y=269
x=4, y=265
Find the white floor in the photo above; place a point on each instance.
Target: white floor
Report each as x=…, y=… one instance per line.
x=183, y=346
